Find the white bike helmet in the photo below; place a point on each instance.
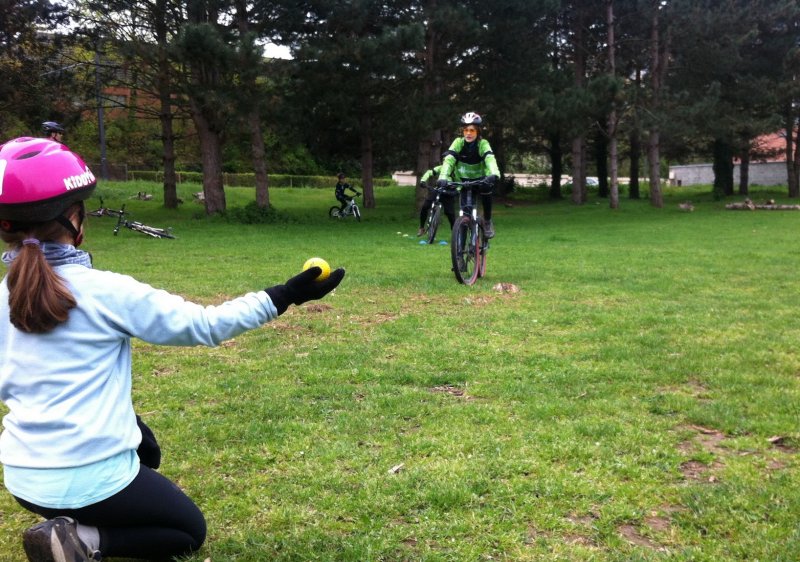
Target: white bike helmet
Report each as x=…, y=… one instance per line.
x=471, y=118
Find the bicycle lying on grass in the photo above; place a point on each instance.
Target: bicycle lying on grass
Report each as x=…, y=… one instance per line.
x=103, y=211
x=434, y=217
x=350, y=209
x=468, y=244
x=140, y=227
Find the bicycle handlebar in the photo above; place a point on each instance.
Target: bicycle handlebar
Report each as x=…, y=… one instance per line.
x=442, y=190
x=472, y=184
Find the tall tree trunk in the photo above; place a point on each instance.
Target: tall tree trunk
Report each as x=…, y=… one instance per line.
x=429, y=155
x=744, y=169
x=723, y=168
x=635, y=156
x=796, y=160
x=579, y=194
x=366, y=159
x=165, y=107
x=635, y=144
x=654, y=138
x=211, y=150
x=556, y=165
x=207, y=117
x=259, y=159
x=792, y=177
x=654, y=168
x=612, y=117
x=498, y=147
x=257, y=150
x=430, y=146
x=601, y=162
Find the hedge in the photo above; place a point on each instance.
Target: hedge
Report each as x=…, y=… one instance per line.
x=249, y=180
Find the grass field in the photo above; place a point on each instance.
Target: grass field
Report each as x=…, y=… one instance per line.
x=637, y=399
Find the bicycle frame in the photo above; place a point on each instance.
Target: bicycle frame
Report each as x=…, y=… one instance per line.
x=468, y=243
x=140, y=227
x=350, y=209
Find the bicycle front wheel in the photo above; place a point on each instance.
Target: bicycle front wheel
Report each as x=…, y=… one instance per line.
x=432, y=224
x=483, y=245
x=357, y=213
x=334, y=212
x=465, y=251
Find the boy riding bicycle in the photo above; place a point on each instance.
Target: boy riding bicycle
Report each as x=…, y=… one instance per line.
x=339, y=191
x=470, y=157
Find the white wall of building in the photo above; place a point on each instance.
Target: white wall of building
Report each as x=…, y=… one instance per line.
x=761, y=173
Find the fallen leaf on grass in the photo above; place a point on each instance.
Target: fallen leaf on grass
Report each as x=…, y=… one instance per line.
x=506, y=288
x=397, y=468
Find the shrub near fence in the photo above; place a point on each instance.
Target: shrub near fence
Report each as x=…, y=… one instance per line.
x=249, y=180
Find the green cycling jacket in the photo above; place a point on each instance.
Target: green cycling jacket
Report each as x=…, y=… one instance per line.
x=469, y=160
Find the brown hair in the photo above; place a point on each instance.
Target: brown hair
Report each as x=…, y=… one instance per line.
x=38, y=298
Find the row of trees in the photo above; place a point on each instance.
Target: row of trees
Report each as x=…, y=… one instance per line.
x=379, y=85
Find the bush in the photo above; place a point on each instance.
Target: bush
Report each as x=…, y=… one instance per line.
x=253, y=214
x=249, y=179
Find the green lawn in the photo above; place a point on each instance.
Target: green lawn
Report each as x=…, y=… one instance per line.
x=637, y=399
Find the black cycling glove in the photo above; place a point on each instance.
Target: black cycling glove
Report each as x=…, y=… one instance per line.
x=303, y=287
x=441, y=183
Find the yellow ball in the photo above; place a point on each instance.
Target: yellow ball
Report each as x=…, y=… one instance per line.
x=322, y=264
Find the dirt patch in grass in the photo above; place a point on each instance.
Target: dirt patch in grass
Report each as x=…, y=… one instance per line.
x=585, y=520
x=631, y=534
x=658, y=523
x=701, y=472
x=782, y=443
x=578, y=539
x=452, y=391
x=705, y=438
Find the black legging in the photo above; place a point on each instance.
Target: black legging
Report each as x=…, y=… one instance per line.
x=150, y=519
x=486, y=200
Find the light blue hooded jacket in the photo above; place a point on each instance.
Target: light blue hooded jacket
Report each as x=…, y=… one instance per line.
x=68, y=391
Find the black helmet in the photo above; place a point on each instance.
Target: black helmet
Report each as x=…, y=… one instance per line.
x=471, y=118
x=52, y=127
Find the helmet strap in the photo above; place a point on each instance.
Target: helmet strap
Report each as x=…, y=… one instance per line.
x=77, y=235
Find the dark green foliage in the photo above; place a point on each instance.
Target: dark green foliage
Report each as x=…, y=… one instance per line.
x=253, y=214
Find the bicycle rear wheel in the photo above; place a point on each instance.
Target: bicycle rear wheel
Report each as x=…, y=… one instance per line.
x=464, y=251
x=432, y=223
x=334, y=212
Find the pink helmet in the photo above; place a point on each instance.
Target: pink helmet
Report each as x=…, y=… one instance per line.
x=39, y=180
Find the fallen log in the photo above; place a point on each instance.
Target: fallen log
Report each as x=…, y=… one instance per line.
x=748, y=205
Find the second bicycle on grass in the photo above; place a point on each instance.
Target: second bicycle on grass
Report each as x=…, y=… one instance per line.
x=351, y=209
x=468, y=243
x=435, y=212
x=136, y=226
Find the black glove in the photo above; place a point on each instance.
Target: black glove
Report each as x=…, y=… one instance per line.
x=441, y=183
x=492, y=180
x=149, y=452
x=303, y=287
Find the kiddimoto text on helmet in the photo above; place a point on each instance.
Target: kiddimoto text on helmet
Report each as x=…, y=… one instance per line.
x=82, y=180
